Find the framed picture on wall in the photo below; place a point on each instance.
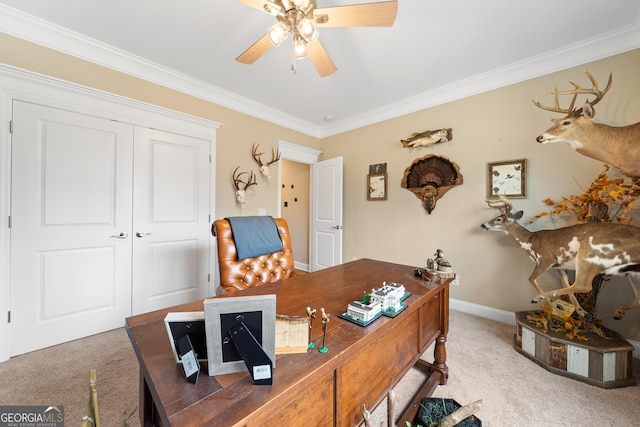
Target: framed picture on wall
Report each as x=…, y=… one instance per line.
x=507, y=178
x=377, y=186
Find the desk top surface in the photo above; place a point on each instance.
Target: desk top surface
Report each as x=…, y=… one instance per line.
x=333, y=289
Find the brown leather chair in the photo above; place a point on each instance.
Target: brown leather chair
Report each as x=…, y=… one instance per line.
x=238, y=274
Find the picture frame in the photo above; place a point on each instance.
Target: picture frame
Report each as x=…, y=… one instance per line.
x=191, y=323
x=377, y=186
x=507, y=178
x=258, y=312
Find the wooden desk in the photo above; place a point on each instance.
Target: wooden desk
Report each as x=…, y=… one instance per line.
x=314, y=388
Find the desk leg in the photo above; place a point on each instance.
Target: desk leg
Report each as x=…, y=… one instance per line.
x=147, y=409
x=440, y=359
x=437, y=372
x=440, y=350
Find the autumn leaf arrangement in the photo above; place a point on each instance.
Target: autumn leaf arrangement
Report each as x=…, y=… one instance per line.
x=606, y=200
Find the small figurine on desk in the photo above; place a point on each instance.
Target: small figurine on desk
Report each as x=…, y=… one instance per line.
x=311, y=314
x=325, y=320
x=443, y=266
x=440, y=259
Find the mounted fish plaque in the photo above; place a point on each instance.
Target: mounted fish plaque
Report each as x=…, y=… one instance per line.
x=427, y=138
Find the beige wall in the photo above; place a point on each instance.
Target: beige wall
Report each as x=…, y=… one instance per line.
x=495, y=126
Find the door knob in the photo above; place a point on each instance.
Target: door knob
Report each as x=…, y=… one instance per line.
x=337, y=227
x=122, y=235
x=141, y=234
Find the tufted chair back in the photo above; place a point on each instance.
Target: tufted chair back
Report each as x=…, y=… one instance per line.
x=238, y=274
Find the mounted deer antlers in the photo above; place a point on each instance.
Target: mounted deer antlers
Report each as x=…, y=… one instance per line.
x=237, y=182
x=617, y=146
x=264, y=167
x=575, y=92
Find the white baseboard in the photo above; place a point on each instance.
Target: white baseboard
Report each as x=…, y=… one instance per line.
x=507, y=317
x=483, y=311
x=301, y=266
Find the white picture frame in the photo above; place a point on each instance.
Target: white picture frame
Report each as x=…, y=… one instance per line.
x=177, y=323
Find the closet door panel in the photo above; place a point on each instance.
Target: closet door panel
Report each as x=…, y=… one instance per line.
x=171, y=219
x=71, y=198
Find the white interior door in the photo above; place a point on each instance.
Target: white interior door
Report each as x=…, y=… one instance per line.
x=171, y=232
x=326, y=214
x=70, y=226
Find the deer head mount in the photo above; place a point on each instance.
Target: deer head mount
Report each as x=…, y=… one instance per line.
x=264, y=167
x=617, y=146
x=241, y=186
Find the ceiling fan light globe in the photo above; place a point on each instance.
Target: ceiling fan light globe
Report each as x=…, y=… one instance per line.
x=299, y=49
x=308, y=29
x=278, y=33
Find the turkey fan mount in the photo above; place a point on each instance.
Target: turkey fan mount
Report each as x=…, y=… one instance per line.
x=430, y=177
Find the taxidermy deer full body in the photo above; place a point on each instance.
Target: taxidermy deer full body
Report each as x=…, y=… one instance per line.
x=617, y=146
x=589, y=249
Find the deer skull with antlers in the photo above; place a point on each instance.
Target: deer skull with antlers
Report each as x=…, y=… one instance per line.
x=264, y=167
x=241, y=186
x=617, y=146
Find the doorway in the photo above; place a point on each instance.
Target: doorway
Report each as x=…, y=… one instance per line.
x=325, y=204
x=294, y=207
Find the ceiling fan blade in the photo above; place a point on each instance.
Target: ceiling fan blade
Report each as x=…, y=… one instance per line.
x=268, y=6
x=381, y=14
x=320, y=59
x=255, y=51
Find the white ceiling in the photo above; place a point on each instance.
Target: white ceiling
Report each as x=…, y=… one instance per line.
x=437, y=51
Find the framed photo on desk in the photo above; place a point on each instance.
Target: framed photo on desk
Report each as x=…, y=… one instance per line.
x=221, y=314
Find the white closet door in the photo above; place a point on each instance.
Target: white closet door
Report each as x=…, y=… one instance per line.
x=70, y=226
x=171, y=230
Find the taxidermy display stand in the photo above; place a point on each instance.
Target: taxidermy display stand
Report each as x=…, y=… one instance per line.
x=605, y=362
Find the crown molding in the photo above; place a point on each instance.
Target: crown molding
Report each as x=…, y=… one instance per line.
x=35, y=30
x=606, y=45
x=38, y=31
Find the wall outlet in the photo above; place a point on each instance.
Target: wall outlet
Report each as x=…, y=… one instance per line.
x=456, y=280
x=262, y=211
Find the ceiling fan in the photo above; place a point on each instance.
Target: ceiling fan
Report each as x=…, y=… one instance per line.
x=303, y=19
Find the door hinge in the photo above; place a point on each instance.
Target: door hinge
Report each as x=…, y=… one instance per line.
x=209, y=158
x=9, y=221
x=9, y=316
x=10, y=126
x=208, y=277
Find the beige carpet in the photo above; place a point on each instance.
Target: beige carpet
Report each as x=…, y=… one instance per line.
x=482, y=365
x=59, y=375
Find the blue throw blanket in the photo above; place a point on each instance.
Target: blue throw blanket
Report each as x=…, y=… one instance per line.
x=255, y=235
